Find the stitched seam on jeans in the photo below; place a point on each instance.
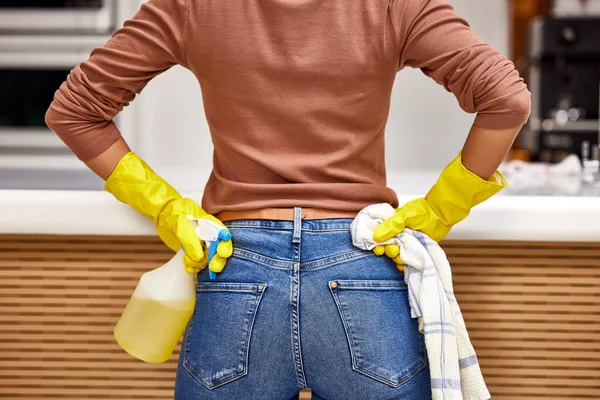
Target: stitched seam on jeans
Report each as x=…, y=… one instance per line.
x=186, y=362
x=261, y=290
x=329, y=261
x=355, y=363
x=300, y=360
x=326, y=229
x=251, y=327
x=346, y=328
x=389, y=382
x=257, y=226
x=186, y=355
x=253, y=311
x=228, y=290
x=229, y=287
x=259, y=258
x=279, y=228
x=373, y=287
x=371, y=284
x=239, y=374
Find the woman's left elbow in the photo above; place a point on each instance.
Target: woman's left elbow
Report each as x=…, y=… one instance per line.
x=520, y=107
x=507, y=112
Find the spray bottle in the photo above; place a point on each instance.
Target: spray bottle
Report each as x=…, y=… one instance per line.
x=163, y=302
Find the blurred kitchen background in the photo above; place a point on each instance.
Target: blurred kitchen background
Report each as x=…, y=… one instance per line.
x=525, y=268
x=554, y=44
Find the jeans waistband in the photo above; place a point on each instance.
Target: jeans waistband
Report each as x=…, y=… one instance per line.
x=332, y=224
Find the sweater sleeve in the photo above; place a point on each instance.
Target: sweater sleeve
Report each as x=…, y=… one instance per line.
x=98, y=89
x=433, y=38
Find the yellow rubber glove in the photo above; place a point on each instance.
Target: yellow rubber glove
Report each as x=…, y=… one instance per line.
x=392, y=251
x=448, y=202
x=133, y=182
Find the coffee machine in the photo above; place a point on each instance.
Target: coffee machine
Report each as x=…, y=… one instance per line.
x=563, y=75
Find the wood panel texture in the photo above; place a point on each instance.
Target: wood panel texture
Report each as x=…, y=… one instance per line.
x=532, y=310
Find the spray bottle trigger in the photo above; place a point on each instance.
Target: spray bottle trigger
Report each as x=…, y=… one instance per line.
x=212, y=250
x=224, y=234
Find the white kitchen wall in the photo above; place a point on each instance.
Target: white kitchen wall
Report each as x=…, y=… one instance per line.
x=425, y=130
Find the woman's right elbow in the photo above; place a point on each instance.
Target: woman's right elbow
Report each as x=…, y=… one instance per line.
x=57, y=122
x=52, y=117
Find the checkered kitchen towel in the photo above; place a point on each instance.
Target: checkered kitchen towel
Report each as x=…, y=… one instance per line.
x=455, y=372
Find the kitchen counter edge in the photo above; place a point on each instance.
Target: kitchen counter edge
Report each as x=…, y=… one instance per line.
x=535, y=218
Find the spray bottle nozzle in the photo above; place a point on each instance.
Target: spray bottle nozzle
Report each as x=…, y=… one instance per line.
x=224, y=234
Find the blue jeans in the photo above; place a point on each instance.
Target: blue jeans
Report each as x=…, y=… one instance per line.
x=299, y=306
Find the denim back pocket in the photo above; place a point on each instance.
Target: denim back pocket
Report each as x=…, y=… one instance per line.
x=217, y=340
x=385, y=343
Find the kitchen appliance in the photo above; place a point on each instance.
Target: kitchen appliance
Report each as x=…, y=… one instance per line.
x=31, y=70
x=564, y=78
x=41, y=41
x=58, y=16
x=575, y=7
x=591, y=163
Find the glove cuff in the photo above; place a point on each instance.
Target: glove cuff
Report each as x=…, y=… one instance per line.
x=458, y=190
x=133, y=182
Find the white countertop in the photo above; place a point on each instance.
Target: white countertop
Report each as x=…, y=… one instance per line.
x=504, y=217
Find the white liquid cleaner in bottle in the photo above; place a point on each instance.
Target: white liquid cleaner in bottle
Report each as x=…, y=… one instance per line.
x=163, y=302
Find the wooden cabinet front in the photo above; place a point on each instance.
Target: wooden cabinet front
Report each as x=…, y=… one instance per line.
x=532, y=310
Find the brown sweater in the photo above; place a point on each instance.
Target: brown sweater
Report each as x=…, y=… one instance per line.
x=296, y=93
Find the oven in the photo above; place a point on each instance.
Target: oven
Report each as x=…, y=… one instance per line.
x=58, y=16
x=31, y=70
x=564, y=78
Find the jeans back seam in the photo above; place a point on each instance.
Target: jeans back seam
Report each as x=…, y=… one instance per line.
x=264, y=260
x=333, y=260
